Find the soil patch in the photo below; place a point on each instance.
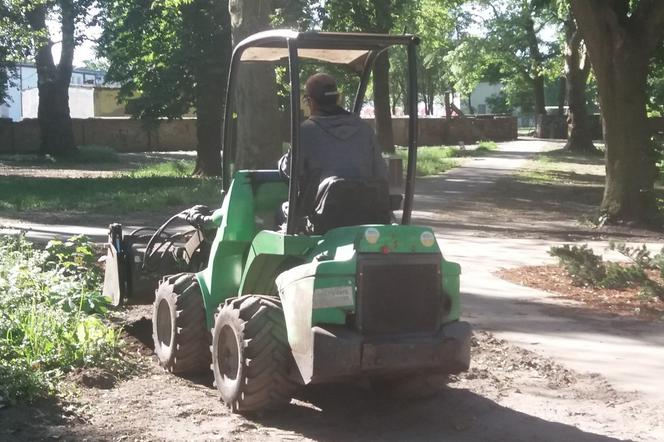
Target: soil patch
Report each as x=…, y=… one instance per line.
x=555, y=280
x=508, y=394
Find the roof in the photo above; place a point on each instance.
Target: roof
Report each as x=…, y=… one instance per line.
x=333, y=47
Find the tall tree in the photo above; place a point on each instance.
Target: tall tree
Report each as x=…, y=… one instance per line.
x=56, y=132
x=577, y=70
x=440, y=24
x=170, y=57
x=514, y=44
x=621, y=37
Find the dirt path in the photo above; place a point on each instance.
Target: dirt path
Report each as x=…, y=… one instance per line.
x=486, y=227
x=509, y=395
x=603, y=385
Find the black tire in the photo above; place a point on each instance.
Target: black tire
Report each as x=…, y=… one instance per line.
x=181, y=339
x=411, y=386
x=251, y=358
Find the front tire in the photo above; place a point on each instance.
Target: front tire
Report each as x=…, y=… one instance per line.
x=251, y=358
x=178, y=325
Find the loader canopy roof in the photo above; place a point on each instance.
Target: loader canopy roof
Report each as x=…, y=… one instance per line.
x=340, y=48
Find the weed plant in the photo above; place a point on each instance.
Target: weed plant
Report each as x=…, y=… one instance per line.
x=51, y=316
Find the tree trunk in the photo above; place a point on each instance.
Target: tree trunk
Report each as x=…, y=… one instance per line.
x=620, y=42
x=381, y=80
x=55, y=126
x=536, y=77
x=211, y=78
x=630, y=165
x=448, y=106
x=381, y=91
x=538, y=94
x=577, y=69
x=562, y=95
x=259, y=132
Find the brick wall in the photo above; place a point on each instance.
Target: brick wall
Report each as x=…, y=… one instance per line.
x=126, y=135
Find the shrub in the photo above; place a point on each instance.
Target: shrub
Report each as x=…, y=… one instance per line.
x=587, y=268
x=581, y=263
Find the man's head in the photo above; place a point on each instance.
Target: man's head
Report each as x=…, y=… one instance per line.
x=321, y=90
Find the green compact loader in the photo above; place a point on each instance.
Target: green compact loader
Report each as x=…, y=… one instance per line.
x=341, y=292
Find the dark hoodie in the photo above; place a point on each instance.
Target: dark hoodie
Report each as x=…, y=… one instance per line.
x=340, y=145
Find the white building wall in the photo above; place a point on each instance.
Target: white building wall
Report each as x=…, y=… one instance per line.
x=25, y=79
x=479, y=96
x=81, y=102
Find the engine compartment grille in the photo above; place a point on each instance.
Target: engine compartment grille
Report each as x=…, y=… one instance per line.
x=398, y=294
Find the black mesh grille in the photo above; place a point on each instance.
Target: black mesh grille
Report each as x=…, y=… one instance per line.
x=398, y=293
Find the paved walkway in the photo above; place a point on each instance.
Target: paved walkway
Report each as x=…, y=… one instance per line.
x=627, y=352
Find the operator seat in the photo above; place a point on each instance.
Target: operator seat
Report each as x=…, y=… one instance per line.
x=344, y=202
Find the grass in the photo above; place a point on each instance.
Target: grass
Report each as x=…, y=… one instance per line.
x=52, y=317
x=434, y=160
x=87, y=154
x=561, y=166
x=149, y=188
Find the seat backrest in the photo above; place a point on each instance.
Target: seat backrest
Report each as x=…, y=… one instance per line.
x=349, y=202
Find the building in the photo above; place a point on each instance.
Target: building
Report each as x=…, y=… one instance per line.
x=478, y=98
x=25, y=78
x=84, y=102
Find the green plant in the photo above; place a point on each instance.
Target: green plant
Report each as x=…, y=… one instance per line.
x=581, y=263
x=487, y=145
x=587, y=268
x=432, y=160
x=51, y=316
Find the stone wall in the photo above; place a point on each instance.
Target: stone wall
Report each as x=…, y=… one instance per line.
x=126, y=135
x=551, y=126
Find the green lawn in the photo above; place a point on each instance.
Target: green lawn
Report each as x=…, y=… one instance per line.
x=149, y=188
x=434, y=160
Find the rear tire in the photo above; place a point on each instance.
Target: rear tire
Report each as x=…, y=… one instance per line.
x=251, y=357
x=179, y=333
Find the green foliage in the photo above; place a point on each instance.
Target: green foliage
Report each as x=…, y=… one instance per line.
x=431, y=160
x=510, y=48
x=159, y=51
x=587, y=268
x=487, y=146
x=581, y=263
x=51, y=316
x=498, y=103
x=656, y=84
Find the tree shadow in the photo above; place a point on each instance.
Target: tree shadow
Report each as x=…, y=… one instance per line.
x=36, y=421
x=565, y=156
x=350, y=413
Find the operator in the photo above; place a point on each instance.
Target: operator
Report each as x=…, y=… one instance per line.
x=334, y=144
x=333, y=141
